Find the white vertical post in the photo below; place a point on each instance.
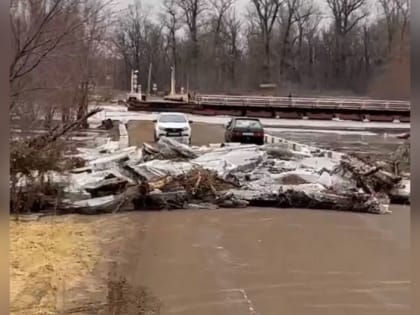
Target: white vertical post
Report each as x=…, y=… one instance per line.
x=172, y=81
x=149, y=78
x=188, y=84
x=132, y=81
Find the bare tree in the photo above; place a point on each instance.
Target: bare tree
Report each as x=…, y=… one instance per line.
x=52, y=40
x=38, y=28
x=346, y=14
x=303, y=17
x=140, y=43
x=233, y=31
x=96, y=22
x=308, y=55
x=192, y=11
x=171, y=20
x=130, y=34
x=404, y=8
x=396, y=13
x=296, y=12
x=391, y=18
x=311, y=31
x=59, y=46
x=44, y=32
x=220, y=8
x=267, y=12
x=307, y=21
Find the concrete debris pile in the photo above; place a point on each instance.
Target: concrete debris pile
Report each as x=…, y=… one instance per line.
x=171, y=175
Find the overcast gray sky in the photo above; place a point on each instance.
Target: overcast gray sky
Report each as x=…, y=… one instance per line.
x=240, y=4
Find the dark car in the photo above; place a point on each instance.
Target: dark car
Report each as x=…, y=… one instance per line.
x=244, y=130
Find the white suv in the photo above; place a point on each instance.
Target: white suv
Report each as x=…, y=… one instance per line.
x=174, y=125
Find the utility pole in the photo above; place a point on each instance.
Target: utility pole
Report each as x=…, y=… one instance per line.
x=132, y=81
x=134, y=77
x=149, y=79
x=188, y=84
x=172, y=81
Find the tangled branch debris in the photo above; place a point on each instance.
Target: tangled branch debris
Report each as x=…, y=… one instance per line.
x=198, y=183
x=370, y=178
x=31, y=160
x=42, y=141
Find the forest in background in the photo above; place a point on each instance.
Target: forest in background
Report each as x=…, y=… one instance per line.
x=67, y=50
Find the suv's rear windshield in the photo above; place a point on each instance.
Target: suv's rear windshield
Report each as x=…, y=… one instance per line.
x=172, y=118
x=247, y=123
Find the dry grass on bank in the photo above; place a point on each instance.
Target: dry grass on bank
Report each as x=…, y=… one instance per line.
x=48, y=257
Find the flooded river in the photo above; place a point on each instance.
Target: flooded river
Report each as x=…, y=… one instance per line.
x=378, y=144
x=272, y=261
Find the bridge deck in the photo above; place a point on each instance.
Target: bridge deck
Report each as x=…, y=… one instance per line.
x=302, y=103
x=285, y=107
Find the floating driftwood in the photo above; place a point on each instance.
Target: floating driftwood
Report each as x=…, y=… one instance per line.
x=368, y=177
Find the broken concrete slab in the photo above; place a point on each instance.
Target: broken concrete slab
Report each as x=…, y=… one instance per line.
x=226, y=160
x=285, y=152
x=109, y=147
x=107, y=186
x=168, y=148
x=318, y=163
x=106, y=204
x=78, y=182
x=111, y=160
x=292, y=177
x=156, y=169
x=201, y=206
x=181, y=149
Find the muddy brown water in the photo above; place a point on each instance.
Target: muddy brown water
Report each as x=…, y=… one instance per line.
x=270, y=261
x=379, y=144
x=264, y=261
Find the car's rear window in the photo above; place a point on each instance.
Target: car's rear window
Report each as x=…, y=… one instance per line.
x=247, y=123
x=172, y=118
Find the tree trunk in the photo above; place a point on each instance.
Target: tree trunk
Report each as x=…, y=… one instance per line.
x=285, y=44
x=195, y=66
x=83, y=104
x=366, y=52
x=267, y=76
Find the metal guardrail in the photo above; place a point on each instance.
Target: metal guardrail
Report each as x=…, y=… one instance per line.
x=286, y=102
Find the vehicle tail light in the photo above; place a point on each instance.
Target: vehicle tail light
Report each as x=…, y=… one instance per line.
x=237, y=133
x=259, y=134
